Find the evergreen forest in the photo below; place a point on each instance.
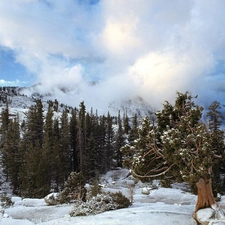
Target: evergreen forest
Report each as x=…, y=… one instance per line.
x=39, y=153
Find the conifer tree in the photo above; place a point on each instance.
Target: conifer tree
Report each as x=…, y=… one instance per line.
x=48, y=126
x=57, y=173
x=91, y=158
x=218, y=148
x=5, y=122
x=45, y=165
x=30, y=184
x=119, y=141
x=34, y=124
x=109, y=142
x=178, y=145
x=133, y=134
x=101, y=143
x=126, y=124
x=73, y=125
x=65, y=148
x=11, y=155
x=82, y=141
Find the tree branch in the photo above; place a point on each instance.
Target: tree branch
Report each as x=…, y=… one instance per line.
x=152, y=176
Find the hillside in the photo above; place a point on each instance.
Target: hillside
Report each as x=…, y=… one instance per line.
x=20, y=99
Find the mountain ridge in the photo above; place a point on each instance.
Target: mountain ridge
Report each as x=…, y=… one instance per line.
x=21, y=98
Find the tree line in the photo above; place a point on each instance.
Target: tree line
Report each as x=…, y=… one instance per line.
x=39, y=153
x=176, y=145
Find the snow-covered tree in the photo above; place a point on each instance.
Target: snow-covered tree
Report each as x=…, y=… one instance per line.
x=179, y=145
x=215, y=120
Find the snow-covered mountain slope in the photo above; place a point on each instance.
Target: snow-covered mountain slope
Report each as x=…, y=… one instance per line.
x=20, y=99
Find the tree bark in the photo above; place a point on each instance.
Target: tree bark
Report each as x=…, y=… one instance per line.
x=205, y=194
x=206, y=199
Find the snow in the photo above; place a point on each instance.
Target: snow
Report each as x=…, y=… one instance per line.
x=163, y=206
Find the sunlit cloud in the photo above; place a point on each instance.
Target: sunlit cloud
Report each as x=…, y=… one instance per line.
x=142, y=48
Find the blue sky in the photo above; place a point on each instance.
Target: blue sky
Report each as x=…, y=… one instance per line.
x=145, y=48
x=12, y=72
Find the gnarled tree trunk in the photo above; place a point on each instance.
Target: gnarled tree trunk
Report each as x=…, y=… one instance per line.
x=205, y=194
x=206, y=199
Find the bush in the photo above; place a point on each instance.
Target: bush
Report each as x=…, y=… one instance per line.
x=96, y=189
x=99, y=204
x=6, y=201
x=74, y=189
x=121, y=200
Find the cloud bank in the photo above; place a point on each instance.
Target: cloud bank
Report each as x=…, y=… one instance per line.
x=129, y=48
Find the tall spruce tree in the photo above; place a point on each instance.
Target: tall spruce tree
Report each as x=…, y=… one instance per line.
x=120, y=140
x=126, y=124
x=82, y=137
x=65, y=148
x=73, y=125
x=57, y=174
x=91, y=158
x=109, y=142
x=101, y=143
x=133, y=134
x=11, y=155
x=215, y=120
x=35, y=124
x=5, y=122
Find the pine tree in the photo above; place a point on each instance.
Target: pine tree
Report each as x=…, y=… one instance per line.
x=178, y=145
x=65, y=148
x=5, y=122
x=34, y=124
x=57, y=174
x=91, y=158
x=91, y=162
x=126, y=124
x=218, y=148
x=28, y=172
x=11, y=155
x=133, y=134
x=73, y=140
x=82, y=137
x=45, y=165
x=101, y=143
x=37, y=147
x=109, y=142
x=48, y=126
x=119, y=141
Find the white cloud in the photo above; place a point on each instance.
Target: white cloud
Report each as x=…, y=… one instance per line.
x=150, y=48
x=10, y=83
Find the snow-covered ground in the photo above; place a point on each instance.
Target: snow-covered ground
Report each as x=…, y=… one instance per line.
x=163, y=206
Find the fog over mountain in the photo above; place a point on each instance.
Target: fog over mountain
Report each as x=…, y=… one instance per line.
x=129, y=49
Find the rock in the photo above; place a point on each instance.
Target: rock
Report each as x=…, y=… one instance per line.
x=145, y=191
x=205, y=215
x=5, y=215
x=210, y=216
x=52, y=199
x=219, y=214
